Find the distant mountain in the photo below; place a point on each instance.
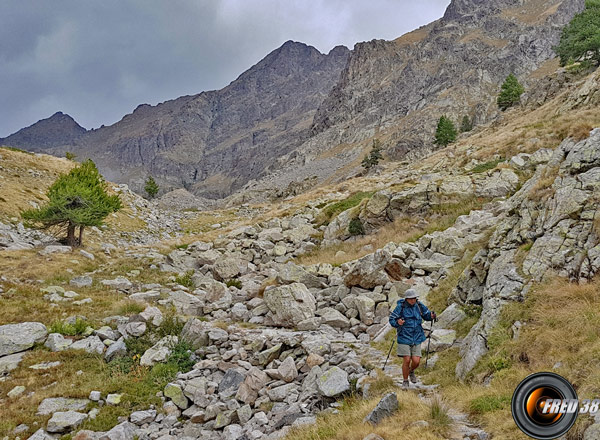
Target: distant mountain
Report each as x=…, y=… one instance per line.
x=214, y=142
x=300, y=117
x=56, y=131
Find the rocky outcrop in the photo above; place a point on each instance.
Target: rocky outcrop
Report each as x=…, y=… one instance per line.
x=548, y=227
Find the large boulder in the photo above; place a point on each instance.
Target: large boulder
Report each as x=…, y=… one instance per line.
x=65, y=421
x=333, y=382
x=159, y=352
x=51, y=405
x=292, y=273
x=367, y=272
x=290, y=304
x=20, y=337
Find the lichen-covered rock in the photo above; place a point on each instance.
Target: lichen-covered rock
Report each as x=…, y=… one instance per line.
x=290, y=304
x=20, y=337
x=333, y=382
x=159, y=352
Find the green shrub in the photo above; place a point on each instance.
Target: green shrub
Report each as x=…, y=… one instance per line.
x=579, y=39
x=234, y=283
x=138, y=346
x=151, y=187
x=186, y=280
x=356, y=227
x=445, y=132
x=69, y=329
x=483, y=167
x=510, y=93
x=70, y=156
x=374, y=156
x=466, y=124
x=338, y=207
x=181, y=356
x=170, y=326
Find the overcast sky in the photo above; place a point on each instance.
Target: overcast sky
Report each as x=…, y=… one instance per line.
x=98, y=60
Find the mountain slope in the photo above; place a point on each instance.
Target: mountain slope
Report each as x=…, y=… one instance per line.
x=213, y=142
x=397, y=90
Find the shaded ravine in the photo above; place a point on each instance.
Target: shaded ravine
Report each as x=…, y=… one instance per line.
x=462, y=427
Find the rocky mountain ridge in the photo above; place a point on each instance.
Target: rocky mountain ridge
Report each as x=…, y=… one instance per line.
x=300, y=118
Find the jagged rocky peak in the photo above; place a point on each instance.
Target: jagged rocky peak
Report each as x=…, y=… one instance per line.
x=460, y=8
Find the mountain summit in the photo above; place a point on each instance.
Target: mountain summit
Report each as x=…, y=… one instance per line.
x=299, y=117
x=58, y=130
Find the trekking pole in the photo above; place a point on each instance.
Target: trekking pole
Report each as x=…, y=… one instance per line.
x=429, y=343
x=388, y=356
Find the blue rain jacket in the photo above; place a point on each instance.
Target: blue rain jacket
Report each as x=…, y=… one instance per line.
x=411, y=333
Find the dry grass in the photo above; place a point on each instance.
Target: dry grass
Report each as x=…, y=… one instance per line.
x=543, y=190
x=551, y=311
x=402, y=229
x=26, y=177
x=348, y=424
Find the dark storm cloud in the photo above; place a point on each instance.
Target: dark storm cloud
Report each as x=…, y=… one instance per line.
x=97, y=60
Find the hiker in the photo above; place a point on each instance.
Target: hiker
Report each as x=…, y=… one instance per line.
x=407, y=318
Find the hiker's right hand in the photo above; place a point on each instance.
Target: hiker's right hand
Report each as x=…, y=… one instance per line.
x=400, y=321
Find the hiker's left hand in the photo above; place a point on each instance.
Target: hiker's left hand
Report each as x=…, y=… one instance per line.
x=433, y=316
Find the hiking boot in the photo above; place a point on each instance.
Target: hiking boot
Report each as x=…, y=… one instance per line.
x=412, y=377
x=405, y=385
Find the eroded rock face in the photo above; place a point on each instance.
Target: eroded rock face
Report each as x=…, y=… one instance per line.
x=546, y=226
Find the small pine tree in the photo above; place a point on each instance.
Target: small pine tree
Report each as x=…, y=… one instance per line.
x=446, y=132
x=355, y=227
x=511, y=92
x=70, y=156
x=580, y=39
x=151, y=187
x=78, y=198
x=466, y=124
x=374, y=156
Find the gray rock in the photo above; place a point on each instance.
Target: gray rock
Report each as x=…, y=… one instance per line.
x=121, y=283
x=233, y=432
x=287, y=370
x=20, y=337
x=81, y=281
x=230, y=383
x=10, y=362
x=333, y=318
x=65, y=421
x=367, y=272
x=141, y=417
x=290, y=304
x=453, y=314
x=291, y=273
x=115, y=350
x=159, y=352
x=51, y=405
x=175, y=393
x=40, y=434
x=333, y=382
x=55, y=249
x=123, y=431
x=386, y=407
x=93, y=344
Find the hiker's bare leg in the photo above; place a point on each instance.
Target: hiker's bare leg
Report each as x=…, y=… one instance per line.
x=416, y=360
x=405, y=366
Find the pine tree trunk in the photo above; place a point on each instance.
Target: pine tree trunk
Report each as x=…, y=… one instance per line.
x=81, y=235
x=71, y=235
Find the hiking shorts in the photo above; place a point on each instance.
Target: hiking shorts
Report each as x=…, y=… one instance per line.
x=409, y=350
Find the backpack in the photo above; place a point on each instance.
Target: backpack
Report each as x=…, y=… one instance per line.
x=404, y=305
